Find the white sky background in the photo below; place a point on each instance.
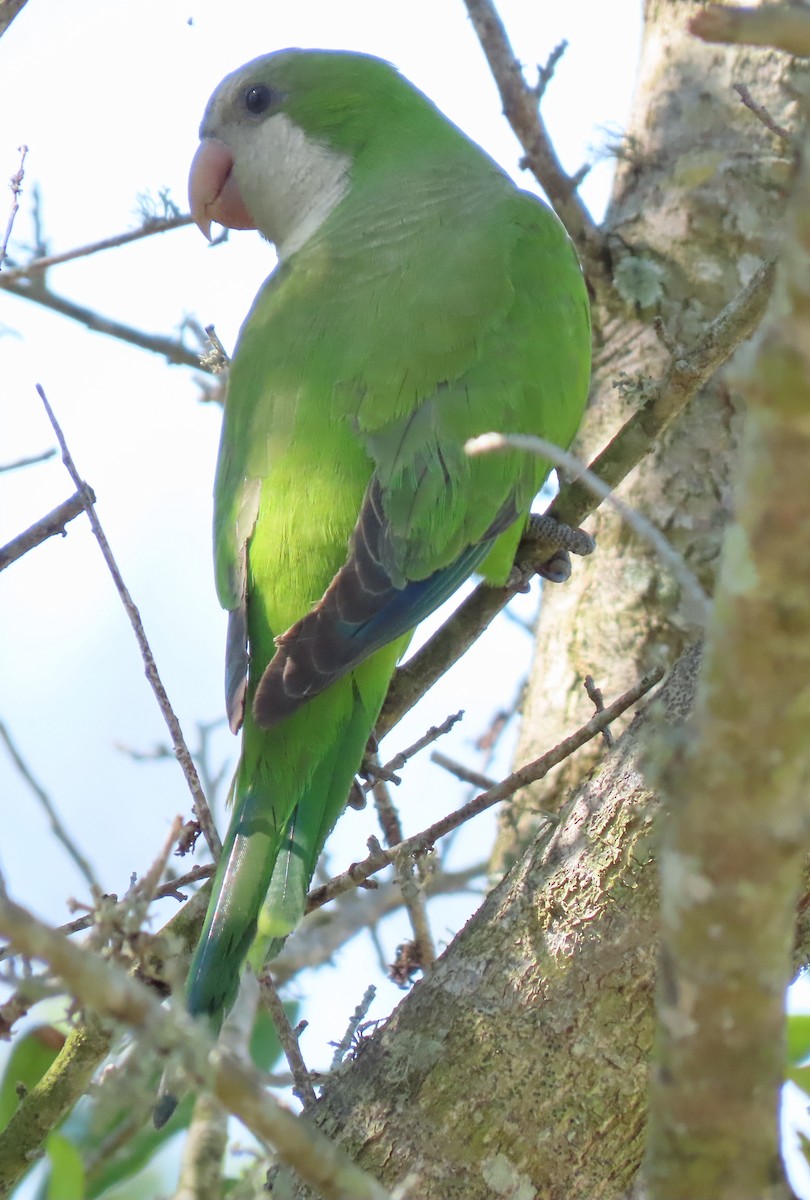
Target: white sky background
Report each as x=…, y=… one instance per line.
x=108, y=96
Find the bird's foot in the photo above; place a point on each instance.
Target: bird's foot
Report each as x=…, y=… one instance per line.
x=563, y=540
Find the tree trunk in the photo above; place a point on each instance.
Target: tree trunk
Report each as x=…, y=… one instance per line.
x=518, y=1068
x=696, y=207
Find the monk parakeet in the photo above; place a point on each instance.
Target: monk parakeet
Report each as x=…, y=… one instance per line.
x=419, y=299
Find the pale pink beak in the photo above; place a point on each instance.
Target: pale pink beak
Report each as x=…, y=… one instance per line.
x=213, y=193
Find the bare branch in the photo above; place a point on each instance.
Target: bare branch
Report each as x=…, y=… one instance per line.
x=58, y=829
x=104, y=988
x=8, y=11
x=45, y=527
x=412, y=895
x=359, y=873
x=148, y=229
x=323, y=932
x=598, y=700
x=546, y=74
x=465, y=774
x=28, y=461
x=762, y=113
x=169, y=348
x=178, y=741
x=203, y=1151
x=520, y=106
x=16, y=187
x=169, y=889
x=288, y=1038
x=783, y=26
x=662, y=401
x=389, y=770
x=344, y=1045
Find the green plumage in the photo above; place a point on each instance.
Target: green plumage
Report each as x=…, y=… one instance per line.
x=431, y=302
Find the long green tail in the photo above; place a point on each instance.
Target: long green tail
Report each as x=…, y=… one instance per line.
x=291, y=786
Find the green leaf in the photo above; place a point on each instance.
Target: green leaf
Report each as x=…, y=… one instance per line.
x=800, y=1076
x=138, y=1151
x=66, y=1179
x=31, y=1057
x=265, y=1048
x=798, y=1037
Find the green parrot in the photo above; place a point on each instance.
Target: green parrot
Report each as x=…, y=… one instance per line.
x=419, y=299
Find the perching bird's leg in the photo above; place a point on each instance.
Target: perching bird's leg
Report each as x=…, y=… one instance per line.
x=563, y=541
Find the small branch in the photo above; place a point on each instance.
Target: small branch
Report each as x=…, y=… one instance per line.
x=322, y=934
x=16, y=187
x=520, y=106
x=762, y=113
x=343, y=1047
x=46, y=527
x=203, y=1151
x=288, y=1038
x=358, y=873
x=663, y=400
x=57, y=828
x=546, y=74
x=38, y=265
x=412, y=895
x=170, y=349
x=216, y=359
x=103, y=987
x=598, y=701
x=395, y=764
x=168, y=890
x=8, y=11
x=178, y=741
x=465, y=774
x=782, y=26
x=28, y=461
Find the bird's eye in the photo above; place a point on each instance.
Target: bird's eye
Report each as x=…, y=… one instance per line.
x=258, y=98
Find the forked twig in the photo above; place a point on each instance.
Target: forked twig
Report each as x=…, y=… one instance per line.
x=181, y=750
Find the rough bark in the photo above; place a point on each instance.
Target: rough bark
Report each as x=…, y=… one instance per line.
x=696, y=207
x=502, y=1074
x=736, y=835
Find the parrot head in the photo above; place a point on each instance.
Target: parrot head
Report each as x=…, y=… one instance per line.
x=283, y=136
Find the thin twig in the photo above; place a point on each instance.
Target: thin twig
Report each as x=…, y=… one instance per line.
x=169, y=348
x=412, y=895
x=29, y=461
x=520, y=106
x=181, y=751
x=395, y=764
x=103, y=987
x=157, y=225
x=762, y=113
x=16, y=187
x=303, y=1088
x=46, y=527
x=358, y=873
x=465, y=774
x=168, y=890
x=598, y=700
x=216, y=359
x=344, y=1045
x=546, y=74
x=58, y=829
x=147, y=886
